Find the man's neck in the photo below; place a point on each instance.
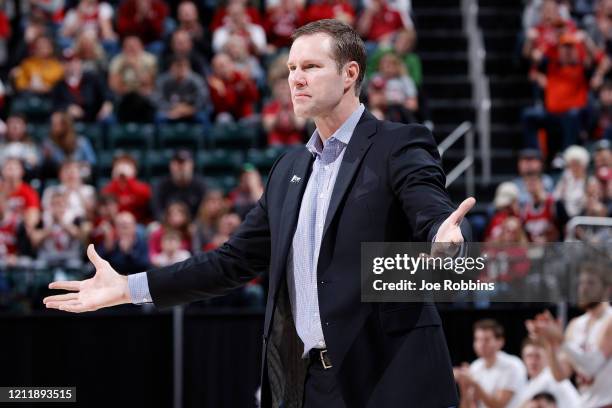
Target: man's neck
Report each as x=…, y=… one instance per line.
x=327, y=125
x=490, y=361
x=598, y=310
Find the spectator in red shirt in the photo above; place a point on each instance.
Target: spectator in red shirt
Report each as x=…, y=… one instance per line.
x=90, y=15
x=232, y=94
x=238, y=23
x=244, y=197
x=188, y=19
x=221, y=15
x=133, y=196
x=539, y=215
x=279, y=120
x=177, y=218
x=22, y=200
x=144, y=19
x=378, y=23
x=506, y=205
x=104, y=228
x=281, y=21
x=324, y=9
x=9, y=222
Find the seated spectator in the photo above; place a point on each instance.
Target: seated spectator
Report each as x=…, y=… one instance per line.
x=403, y=46
x=132, y=78
x=400, y=92
x=530, y=163
x=90, y=15
x=543, y=30
x=103, y=229
x=280, y=22
x=64, y=144
x=181, y=94
x=603, y=112
x=280, y=122
x=571, y=186
x=91, y=53
x=80, y=198
x=226, y=225
x=250, y=188
x=496, y=376
x=379, y=22
x=39, y=72
x=379, y=106
x=181, y=46
x=233, y=95
x=181, y=185
x=144, y=19
x=562, y=76
x=221, y=14
x=189, y=20
x=171, y=251
x=602, y=162
x=128, y=253
x=9, y=223
x=238, y=23
x=512, y=232
x=82, y=94
x=211, y=209
x=506, y=206
x=595, y=204
x=133, y=195
x=57, y=242
x=541, y=379
x=237, y=49
x=176, y=218
x=323, y=9
x=22, y=199
x=5, y=36
x=539, y=215
x=16, y=143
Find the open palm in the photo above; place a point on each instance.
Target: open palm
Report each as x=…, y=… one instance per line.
x=107, y=288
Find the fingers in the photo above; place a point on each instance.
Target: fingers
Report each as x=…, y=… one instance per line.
x=93, y=256
x=457, y=216
x=66, y=285
x=59, y=298
x=73, y=306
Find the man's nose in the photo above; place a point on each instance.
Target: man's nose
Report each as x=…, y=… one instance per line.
x=297, y=79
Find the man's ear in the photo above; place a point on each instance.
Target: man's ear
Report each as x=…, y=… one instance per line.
x=350, y=73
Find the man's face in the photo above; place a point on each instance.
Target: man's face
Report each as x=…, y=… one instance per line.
x=591, y=290
x=181, y=170
x=126, y=226
x=529, y=165
x=486, y=344
x=534, y=359
x=315, y=83
x=16, y=128
x=181, y=42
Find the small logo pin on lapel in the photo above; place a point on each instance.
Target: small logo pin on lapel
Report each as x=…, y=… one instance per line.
x=295, y=179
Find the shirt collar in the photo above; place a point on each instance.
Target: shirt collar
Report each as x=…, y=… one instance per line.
x=343, y=134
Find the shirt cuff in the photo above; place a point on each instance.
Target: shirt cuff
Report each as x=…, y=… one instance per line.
x=138, y=285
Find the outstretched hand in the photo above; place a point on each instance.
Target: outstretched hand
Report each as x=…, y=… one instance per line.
x=106, y=288
x=450, y=230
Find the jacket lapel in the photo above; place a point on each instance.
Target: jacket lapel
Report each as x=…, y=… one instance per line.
x=356, y=149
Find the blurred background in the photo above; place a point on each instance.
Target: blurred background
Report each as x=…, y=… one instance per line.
x=148, y=128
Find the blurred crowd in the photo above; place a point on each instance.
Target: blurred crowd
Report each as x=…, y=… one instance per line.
x=67, y=67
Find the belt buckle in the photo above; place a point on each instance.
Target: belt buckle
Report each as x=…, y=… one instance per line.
x=325, y=359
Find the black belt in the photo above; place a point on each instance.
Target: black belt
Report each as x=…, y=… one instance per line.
x=320, y=356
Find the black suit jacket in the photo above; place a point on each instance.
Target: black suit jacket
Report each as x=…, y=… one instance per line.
x=390, y=187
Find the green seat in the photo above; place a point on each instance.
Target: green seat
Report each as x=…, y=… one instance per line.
x=263, y=159
x=219, y=162
x=93, y=132
x=131, y=135
x=181, y=135
x=157, y=162
x=224, y=183
x=234, y=135
x=35, y=108
x=38, y=132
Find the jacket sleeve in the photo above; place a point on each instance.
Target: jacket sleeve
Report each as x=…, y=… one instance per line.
x=417, y=179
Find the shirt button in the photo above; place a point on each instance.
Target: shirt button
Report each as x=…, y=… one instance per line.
x=322, y=282
x=327, y=323
x=144, y=300
x=321, y=195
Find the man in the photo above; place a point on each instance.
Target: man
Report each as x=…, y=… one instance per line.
x=530, y=164
x=541, y=379
x=495, y=377
x=182, y=95
x=358, y=180
x=182, y=185
x=542, y=400
x=586, y=347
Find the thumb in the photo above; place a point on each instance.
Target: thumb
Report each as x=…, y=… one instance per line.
x=457, y=216
x=93, y=256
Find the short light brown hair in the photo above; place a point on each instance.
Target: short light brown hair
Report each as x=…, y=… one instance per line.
x=492, y=325
x=347, y=46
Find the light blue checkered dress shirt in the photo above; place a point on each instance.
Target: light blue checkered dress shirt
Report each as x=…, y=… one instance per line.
x=304, y=252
